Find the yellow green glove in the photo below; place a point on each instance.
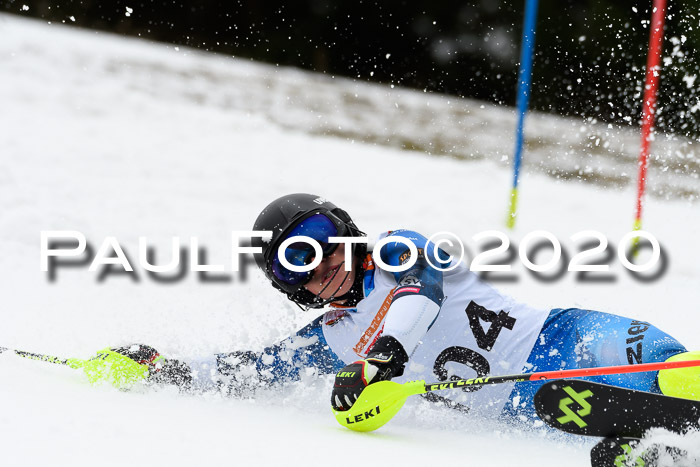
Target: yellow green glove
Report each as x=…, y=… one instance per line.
x=123, y=367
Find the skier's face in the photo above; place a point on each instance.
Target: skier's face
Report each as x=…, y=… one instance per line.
x=330, y=278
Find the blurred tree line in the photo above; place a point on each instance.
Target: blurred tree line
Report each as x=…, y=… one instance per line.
x=590, y=54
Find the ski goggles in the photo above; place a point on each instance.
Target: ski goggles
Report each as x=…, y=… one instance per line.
x=318, y=226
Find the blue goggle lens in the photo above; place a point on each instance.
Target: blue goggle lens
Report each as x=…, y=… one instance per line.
x=317, y=226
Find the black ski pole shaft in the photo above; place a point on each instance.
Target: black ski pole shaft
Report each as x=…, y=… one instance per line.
x=71, y=362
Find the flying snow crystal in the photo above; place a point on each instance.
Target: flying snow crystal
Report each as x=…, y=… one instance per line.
x=129, y=11
x=387, y=56
x=695, y=108
x=689, y=80
x=25, y=7
x=72, y=18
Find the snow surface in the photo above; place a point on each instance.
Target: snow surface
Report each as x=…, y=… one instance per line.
x=118, y=137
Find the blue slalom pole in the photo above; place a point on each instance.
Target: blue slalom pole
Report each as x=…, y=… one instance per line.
x=523, y=98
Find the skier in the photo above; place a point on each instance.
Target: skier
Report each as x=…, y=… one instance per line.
x=430, y=321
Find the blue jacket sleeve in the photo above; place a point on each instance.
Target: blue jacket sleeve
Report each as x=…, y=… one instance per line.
x=281, y=362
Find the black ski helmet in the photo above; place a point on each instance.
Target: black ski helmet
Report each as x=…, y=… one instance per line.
x=280, y=217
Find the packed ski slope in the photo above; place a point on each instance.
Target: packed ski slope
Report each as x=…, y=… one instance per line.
x=119, y=137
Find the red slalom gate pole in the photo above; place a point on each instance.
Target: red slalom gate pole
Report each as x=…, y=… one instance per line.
x=651, y=87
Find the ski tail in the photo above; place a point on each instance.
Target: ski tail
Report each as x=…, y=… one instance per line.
x=615, y=452
x=591, y=409
x=633, y=452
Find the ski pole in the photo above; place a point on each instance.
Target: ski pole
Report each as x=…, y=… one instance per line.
x=119, y=370
x=380, y=401
x=71, y=362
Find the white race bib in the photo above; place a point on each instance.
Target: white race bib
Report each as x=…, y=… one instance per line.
x=478, y=332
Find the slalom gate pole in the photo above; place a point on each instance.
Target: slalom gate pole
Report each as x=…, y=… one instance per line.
x=651, y=87
x=522, y=99
x=71, y=362
x=379, y=402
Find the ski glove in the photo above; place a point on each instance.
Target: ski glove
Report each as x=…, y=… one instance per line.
x=122, y=367
x=385, y=361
